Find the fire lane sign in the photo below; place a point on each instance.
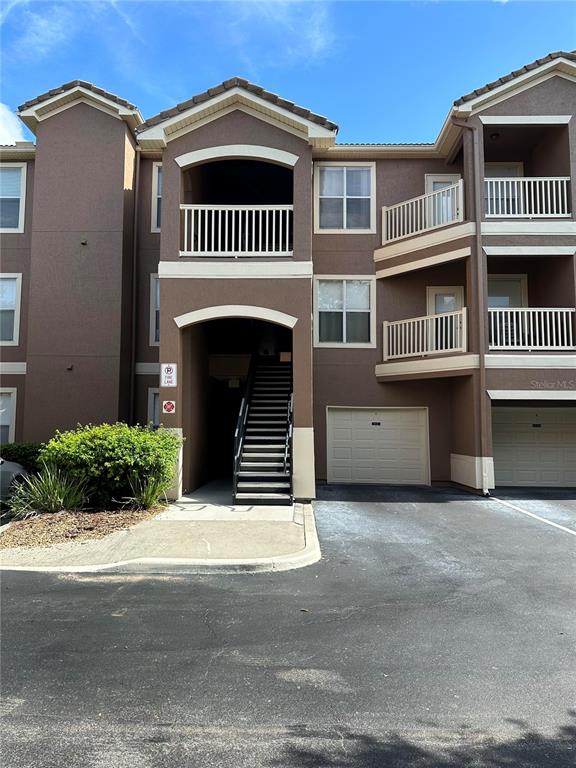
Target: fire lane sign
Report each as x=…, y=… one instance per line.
x=168, y=374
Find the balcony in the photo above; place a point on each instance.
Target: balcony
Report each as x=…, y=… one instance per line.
x=236, y=231
x=529, y=330
x=424, y=336
x=423, y=214
x=535, y=197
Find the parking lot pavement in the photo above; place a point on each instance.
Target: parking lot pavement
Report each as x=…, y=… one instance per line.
x=556, y=505
x=438, y=631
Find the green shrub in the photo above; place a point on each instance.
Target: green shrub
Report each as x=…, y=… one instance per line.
x=26, y=454
x=110, y=456
x=51, y=490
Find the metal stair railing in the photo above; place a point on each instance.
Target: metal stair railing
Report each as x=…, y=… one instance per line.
x=240, y=432
x=289, y=440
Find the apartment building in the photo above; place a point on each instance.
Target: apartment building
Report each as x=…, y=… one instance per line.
x=299, y=309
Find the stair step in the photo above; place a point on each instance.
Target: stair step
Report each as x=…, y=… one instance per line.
x=275, y=475
x=246, y=466
x=260, y=422
x=255, y=498
x=247, y=457
x=263, y=446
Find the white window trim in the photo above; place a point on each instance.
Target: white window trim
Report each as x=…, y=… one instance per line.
x=335, y=164
x=151, y=392
x=153, y=218
x=152, y=311
x=343, y=344
x=432, y=290
x=22, y=212
x=523, y=277
x=16, y=338
x=430, y=178
x=13, y=392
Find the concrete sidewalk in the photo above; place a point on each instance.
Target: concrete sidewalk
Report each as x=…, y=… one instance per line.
x=198, y=533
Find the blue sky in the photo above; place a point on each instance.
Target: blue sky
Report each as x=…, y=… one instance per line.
x=384, y=71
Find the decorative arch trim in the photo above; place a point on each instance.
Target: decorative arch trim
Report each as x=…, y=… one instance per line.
x=235, y=310
x=237, y=150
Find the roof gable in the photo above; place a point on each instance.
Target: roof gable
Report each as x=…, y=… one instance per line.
x=559, y=63
x=75, y=92
x=235, y=93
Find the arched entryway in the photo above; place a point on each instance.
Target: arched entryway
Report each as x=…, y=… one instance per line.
x=229, y=354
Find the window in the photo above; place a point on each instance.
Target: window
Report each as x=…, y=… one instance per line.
x=154, y=310
x=156, y=197
x=507, y=291
x=154, y=407
x=345, y=197
x=10, y=289
x=12, y=196
x=344, y=312
x=7, y=413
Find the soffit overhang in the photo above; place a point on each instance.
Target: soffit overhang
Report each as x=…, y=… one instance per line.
x=157, y=136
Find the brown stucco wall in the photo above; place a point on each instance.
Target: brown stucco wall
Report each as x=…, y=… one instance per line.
x=77, y=297
x=148, y=256
x=15, y=258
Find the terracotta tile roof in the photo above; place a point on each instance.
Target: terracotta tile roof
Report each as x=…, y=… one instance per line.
x=571, y=55
x=75, y=84
x=238, y=82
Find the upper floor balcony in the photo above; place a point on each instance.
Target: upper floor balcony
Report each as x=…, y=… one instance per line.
x=237, y=208
x=531, y=329
x=236, y=230
x=424, y=213
x=533, y=197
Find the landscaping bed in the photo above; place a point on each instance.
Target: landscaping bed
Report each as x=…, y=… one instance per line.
x=47, y=529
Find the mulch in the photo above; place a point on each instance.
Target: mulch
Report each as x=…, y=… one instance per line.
x=45, y=529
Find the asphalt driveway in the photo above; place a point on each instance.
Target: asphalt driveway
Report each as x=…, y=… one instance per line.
x=438, y=630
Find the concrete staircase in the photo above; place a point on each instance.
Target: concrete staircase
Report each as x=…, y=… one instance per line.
x=264, y=472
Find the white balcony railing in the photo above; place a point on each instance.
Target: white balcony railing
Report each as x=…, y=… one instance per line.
x=421, y=214
x=239, y=230
x=531, y=329
x=423, y=336
x=528, y=197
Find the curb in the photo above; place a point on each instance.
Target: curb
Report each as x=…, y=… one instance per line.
x=307, y=556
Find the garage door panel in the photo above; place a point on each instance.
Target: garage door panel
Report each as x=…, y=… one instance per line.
x=525, y=454
x=378, y=446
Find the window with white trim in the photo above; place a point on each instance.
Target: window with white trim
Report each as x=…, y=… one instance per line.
x=12, y=196
x=7, y=415
x=156, y=218
x=154, y=406
x=154, y=310
x=344, y=312
x=345, y=197
x=10, y=290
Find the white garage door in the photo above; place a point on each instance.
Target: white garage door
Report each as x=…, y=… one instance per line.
x=384, y=445
x=534, y=446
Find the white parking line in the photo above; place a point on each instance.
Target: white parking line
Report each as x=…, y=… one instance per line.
x=536, y=517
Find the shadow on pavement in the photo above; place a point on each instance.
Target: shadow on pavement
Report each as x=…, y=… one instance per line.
x=529, y=749
x=536, y=494
x=400, y=494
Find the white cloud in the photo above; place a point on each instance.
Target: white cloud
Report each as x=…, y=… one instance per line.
x=11, y=129
x=277, y=32
x=44, y=31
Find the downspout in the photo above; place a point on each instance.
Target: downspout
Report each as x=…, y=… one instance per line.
x=132, y=395
x=482, y=325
